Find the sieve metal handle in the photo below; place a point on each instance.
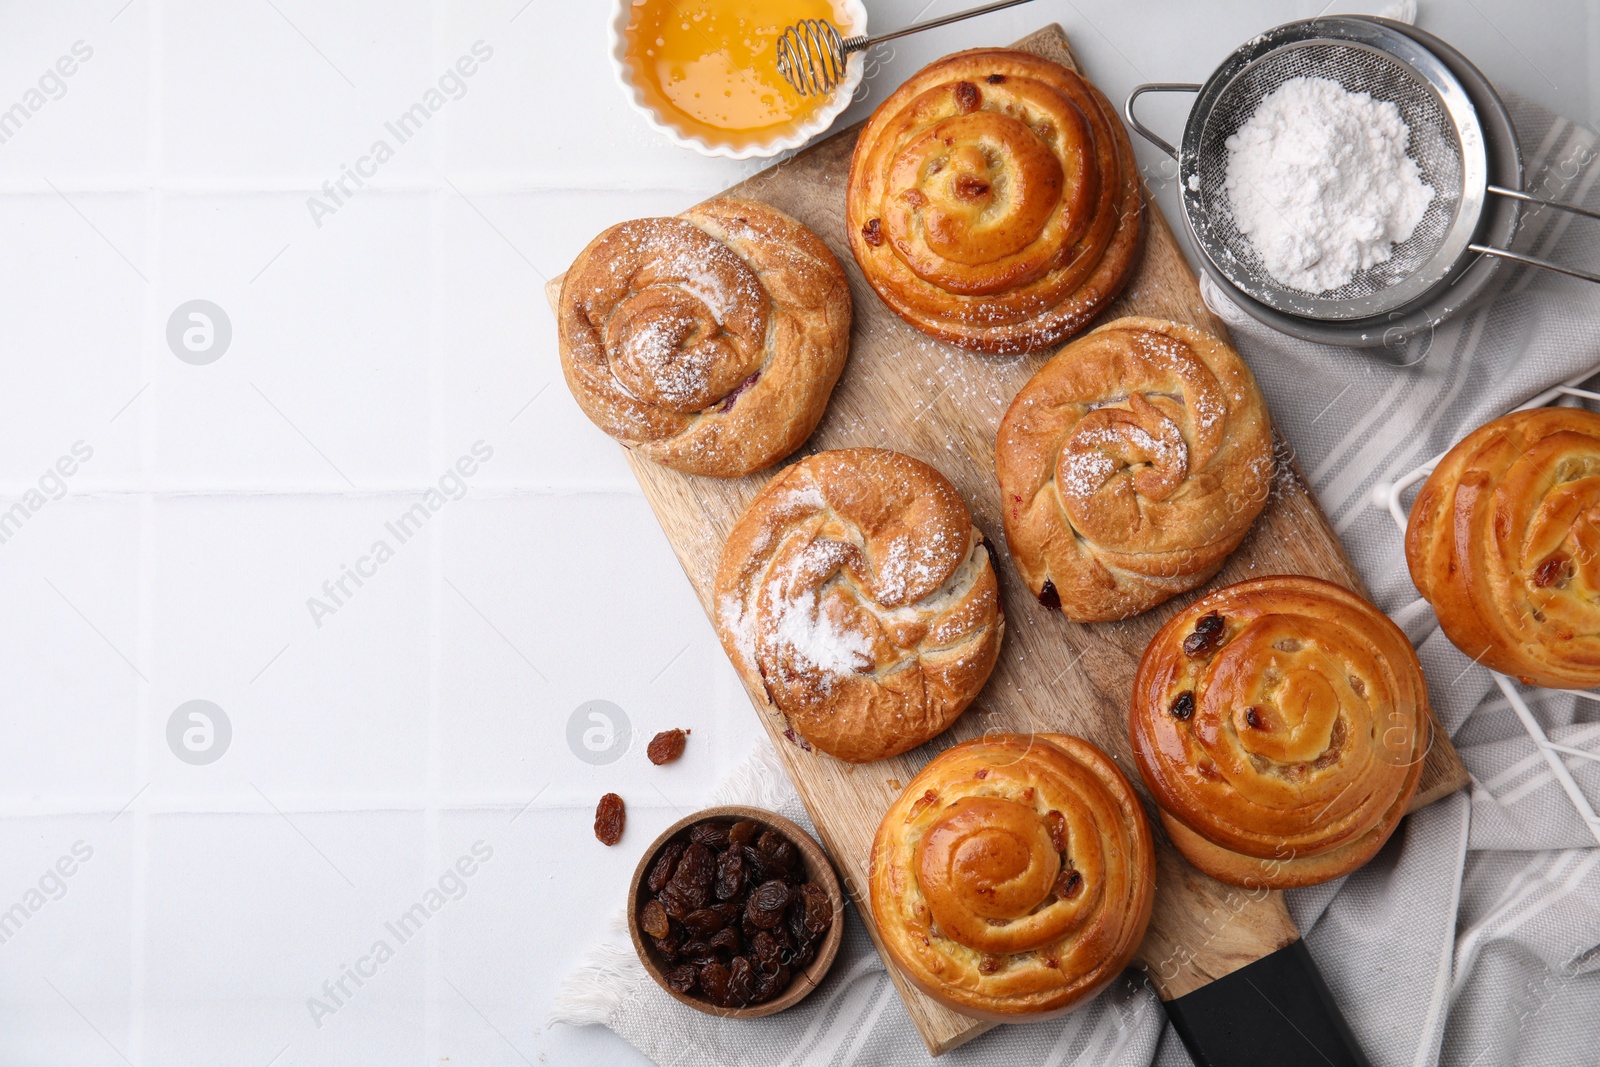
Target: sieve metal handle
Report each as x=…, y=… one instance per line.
x=1535, y=261
x=1155, y=87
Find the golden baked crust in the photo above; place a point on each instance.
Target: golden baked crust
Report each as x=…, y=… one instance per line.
x=1131, y=465
x=708, y=342
x=1281, y=725
x=1504, y=542
x=1014, y=876
x=856, y=592
x=994, y=201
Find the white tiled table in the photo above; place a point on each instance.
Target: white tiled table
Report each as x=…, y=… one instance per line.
x=372, y=746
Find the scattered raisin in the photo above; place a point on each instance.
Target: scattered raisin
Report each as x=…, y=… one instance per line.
x=1207, y=636
x=982, y=772
x=653, y=920
x=872, y=233
x=666, y=863
x=1069, y=883
x=995, y=79
x=609, y=815
x=1550, y=571
x=1253, y=716
x=1049, y=597
x=1183, y=707
x=990, y=964
x=967, y=97
x=667, y=746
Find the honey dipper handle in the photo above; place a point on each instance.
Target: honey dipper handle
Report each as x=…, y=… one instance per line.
x=1272, y=1012
x=855, y=44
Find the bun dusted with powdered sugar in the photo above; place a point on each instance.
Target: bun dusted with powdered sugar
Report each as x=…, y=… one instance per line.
x=709, y=342
x=858, y=598
x=1130, y=466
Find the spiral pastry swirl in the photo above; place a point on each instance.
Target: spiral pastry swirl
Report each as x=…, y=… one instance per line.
x=994, y=201
x=1281, y=725
x=1014, y=876
x=1131, y=465
x=709, y=342
x=1504, y=542
x=858, y=595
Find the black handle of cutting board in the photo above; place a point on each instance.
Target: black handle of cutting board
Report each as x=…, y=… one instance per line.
x=1269, y=1013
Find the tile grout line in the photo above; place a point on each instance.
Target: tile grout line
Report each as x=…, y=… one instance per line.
x=140, y=850
x=432, y=967
x=418, y=803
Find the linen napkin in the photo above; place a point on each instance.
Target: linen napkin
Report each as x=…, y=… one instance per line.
x=1473, y=938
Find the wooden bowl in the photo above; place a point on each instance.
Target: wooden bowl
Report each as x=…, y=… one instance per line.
x=818, y=869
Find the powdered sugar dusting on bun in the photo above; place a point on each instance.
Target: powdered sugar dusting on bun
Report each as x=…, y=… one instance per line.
x=1130, y=466
x=709, y=342
x=857, y=595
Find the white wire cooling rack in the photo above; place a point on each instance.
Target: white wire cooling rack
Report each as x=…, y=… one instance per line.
x=1389, y=496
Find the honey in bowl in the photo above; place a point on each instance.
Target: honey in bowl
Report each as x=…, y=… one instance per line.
x=710, y=67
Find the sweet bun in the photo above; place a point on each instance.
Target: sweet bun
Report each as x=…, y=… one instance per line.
x=1014, y=876
x=1504, y=542
x=1281, y=725
x=856, y=593
x=994, y=201
x=1130, y=466
x=708, y=342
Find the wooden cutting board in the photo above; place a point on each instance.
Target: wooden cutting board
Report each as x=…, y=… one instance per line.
x=943, y=405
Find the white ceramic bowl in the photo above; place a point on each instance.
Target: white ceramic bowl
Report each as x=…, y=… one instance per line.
x=850, y=18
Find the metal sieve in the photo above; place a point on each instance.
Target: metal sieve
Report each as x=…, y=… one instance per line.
x=1446, y=143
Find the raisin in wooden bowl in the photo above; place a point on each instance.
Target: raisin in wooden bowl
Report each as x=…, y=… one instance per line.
x=736, y=912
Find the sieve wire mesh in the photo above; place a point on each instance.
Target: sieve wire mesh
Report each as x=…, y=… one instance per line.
x=1434, y=145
